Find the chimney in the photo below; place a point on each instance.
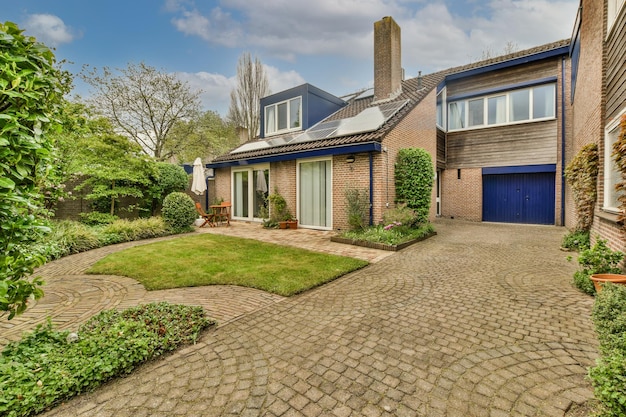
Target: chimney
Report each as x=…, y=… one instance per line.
x=387, y=59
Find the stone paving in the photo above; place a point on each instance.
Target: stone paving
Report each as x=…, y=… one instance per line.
x=479, y=320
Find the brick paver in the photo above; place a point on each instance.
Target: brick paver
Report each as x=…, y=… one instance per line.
x=480, y=320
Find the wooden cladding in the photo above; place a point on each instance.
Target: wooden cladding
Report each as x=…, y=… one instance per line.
x=514, y=145
x=616, y=68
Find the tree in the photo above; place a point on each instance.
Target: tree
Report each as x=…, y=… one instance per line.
x=113, y=167
x=169, y=178
x=252, y=86
x=205, y=136
x=143, y=104
x=31, y=88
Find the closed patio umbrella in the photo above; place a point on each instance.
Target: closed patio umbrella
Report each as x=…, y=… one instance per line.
x=198, y=185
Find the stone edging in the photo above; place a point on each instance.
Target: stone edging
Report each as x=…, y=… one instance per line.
x=382, y=246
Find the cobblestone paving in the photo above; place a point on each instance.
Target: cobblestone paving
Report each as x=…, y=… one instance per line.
x=480, y=320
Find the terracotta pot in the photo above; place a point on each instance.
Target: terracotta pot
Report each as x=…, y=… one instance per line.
x=282, y=225
x=599, y=279
x=293, y=224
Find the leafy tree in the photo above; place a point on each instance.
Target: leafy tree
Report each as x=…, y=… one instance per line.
x=168, y=178
x=414, y=181
x=31, y=88
x=252, y=86
x=113, y=167
x=143, y=104
x=205, y=136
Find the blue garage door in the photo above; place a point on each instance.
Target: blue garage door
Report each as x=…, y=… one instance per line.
x=519, y=197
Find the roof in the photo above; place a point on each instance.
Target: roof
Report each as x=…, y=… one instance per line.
x=414, y=90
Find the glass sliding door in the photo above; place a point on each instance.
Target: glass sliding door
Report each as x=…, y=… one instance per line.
x=315, y=194
x=250, y=190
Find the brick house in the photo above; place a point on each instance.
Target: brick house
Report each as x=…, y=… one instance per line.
x=598, y=103
x=495, y=130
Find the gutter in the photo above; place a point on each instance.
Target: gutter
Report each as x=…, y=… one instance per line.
x=563, y=141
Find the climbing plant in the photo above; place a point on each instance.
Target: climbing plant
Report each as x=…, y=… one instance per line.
x=619, y=156
x=414, y=181
x=581, y=175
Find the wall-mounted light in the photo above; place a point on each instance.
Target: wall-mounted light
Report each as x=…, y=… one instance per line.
x=350, y=159
x=209, y=173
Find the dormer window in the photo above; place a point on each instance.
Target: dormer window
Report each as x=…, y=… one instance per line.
x=284, y=116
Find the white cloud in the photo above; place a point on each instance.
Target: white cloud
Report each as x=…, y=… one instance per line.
x=49, y=29
x=218, y=28
x=215, y=88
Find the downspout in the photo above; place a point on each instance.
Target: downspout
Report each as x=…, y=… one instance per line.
x=563, y=141
x=371, y=189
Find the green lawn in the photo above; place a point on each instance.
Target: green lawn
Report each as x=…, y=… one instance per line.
x=210, y=259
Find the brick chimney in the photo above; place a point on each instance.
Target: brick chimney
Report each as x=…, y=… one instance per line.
x=387, y=59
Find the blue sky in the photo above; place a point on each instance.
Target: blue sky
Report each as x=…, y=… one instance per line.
x=328, y=43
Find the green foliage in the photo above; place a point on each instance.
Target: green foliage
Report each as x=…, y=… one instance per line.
x=390, y=235
x=581, y=175
x=619, y=156
x=279, y=211
x=168, y=178
x=179, y=211
x=414, y=181
x=609, y=375
x=401, y=215
x=358, y=207
x=599, y=259
x=96, y=218
x=578, y=240
x=46, y=367
x=31, y=89
x=112, y=168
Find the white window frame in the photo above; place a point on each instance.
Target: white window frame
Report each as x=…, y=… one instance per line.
x=298, y=191
x=278, y=131
x=609, y=163
x=250, y=169
x=485, y=98
x=614, y=7
x=441, y=98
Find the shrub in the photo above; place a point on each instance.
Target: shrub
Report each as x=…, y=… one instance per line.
x=168, y=178
x=358, y=207
x=402, y=215
x=577, y=240
x=599, y=259
x=179, y=211
x=414, y=181
x=278, y=210
x=47, y=366
x=609, y=375
x=581, y=175
x=96, y=218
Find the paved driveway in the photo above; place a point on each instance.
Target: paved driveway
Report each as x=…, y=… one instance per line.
x=480, y=320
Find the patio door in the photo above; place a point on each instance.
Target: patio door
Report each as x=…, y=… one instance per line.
x=249, y=192
x=315, y=194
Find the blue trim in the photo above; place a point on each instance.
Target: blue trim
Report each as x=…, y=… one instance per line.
x=563, y=141
x=338, y=150
x=563, y=50
x=526, y=169
x=509, y=87
x=371, y=223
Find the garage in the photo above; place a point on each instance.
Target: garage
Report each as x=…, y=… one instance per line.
x=523, y=194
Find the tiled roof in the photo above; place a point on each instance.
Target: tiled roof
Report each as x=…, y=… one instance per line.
x=414, y=89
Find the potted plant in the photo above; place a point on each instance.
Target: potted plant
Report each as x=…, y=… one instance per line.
x=598, y=264
x=279, y=212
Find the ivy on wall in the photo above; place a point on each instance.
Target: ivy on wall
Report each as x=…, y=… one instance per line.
x=581, y=175
x=619, y=156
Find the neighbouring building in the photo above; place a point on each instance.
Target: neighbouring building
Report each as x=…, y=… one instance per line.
x=598, y=86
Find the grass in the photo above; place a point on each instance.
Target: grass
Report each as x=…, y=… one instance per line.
x=390, y=235
x=223, y=260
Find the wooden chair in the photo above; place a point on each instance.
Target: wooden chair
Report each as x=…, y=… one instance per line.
x=208, y=218
x=223, y=214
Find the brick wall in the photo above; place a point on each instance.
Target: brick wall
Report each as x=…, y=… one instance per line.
x=461, y=194
x=346, y=176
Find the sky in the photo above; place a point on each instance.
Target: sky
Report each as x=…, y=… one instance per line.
x=327, y=43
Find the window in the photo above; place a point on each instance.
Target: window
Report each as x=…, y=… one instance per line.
x=250, y=190
x=476, y=112
x=613, y=10
x=516, y=106
x=441, y=109
x=315, y=194
x=283, y=117
x=611, y=173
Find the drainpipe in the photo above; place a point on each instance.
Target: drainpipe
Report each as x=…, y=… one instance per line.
x=563, y=141
x=371, y=189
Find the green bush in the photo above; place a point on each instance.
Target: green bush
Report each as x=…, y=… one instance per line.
x=609, y=375
x=96, y=218
x=599, y=259
x=358, y=207
x=390, y=234
x=49, y=366
x=414, y=181
x=401, y=215
x=169, y=178
x=577, y=240
x=179, y=211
